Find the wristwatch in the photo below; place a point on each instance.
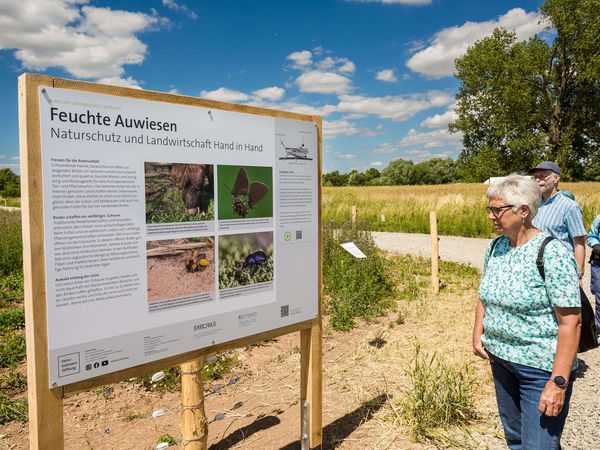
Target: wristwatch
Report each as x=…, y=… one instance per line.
x=560, y=381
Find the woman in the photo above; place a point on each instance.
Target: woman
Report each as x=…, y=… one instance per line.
x=526, y=327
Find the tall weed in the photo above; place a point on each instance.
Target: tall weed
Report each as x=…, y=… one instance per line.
x=460, y=207
x=355, y=287
x=440, y=395
x=11, y=247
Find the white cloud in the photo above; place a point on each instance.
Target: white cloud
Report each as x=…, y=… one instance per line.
x=15, y=158
x=386, y=75
x=172, y=4
x=117, y=81
x=335, y=128
x=224, y=94
x=385, y=147
x=347, y=67
x=304, y=109
x=393, y=107
x=424, y=155
x=394, y=2
x=346, y=156
x=430, y=139
x=437, y=60
x=270, y=93
x=85, y=41
x=377, y=164
x=440, y=120
x=324, y=83
x=301, y=59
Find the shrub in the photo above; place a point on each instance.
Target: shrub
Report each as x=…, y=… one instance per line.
x=356, y=287
x=440, y=395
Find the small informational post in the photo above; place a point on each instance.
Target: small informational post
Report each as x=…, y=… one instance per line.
x=351, y=248
x=170, y=228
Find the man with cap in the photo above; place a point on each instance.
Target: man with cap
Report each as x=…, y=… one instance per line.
x=559, y=215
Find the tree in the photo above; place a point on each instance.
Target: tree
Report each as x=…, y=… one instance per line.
x=335, y=179
x=435, y=171
x=371, y=176
x=399, y=171
x=534, y=100
x=355, y=178
x=9, y=183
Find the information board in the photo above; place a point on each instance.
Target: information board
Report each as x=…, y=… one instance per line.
x=170, y=228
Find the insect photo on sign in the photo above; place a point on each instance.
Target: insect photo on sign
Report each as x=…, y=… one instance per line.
x=245, y=259
x=245, y=192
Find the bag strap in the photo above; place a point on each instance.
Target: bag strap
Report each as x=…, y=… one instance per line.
x=489, y=255
x=539, y=262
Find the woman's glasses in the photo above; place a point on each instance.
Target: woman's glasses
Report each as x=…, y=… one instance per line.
x=496, y=210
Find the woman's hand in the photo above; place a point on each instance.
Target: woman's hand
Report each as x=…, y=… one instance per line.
x=552, y=399
x=478, y=348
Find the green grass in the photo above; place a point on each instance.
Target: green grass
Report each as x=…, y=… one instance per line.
x=354, y=287
x=11, y=286
x=11, y=246
x=440, y=395
x=11, y=319
x=13, y=382
x=12, y=409
x=12, y=349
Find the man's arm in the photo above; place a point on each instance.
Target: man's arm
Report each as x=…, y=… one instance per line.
x=579, y=248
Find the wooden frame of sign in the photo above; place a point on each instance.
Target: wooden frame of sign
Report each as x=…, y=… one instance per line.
x=45, y=404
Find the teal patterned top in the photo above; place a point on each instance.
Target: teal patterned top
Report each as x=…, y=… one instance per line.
x=519, y=322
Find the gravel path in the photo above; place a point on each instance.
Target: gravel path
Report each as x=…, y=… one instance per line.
x=582, y=431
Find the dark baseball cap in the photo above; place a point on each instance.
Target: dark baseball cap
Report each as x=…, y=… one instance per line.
x=546, y=165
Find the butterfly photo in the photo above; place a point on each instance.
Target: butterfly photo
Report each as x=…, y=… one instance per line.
x=245, y=192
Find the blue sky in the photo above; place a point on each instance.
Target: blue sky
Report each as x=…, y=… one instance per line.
x=378, y=71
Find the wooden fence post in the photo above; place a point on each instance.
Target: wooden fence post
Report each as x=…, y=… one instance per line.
x=435, y=253
x=354, y=216
x=194, y=427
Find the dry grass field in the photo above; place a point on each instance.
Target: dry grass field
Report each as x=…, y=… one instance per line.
x=460, y=207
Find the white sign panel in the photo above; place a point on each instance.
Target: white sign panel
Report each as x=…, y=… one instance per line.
x=170, y=228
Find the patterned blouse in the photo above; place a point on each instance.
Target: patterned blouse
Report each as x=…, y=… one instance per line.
x=519, y=321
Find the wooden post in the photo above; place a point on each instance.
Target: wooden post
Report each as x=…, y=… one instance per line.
x=435, y=253
x=311, y=388
x=354, y=216
x=45, y=404
x=194, y=427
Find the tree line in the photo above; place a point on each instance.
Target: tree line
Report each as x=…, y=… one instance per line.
x=398, y=172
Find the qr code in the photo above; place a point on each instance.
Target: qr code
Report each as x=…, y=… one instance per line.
x=285, y=310
x=298, y=234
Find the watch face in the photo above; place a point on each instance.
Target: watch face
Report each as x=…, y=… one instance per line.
x=560, y=381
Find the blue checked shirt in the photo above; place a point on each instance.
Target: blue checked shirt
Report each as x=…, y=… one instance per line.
x=561, y=217
x=593, y=236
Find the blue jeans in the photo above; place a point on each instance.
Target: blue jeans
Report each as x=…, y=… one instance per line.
x=595, y=288
x=518, y=391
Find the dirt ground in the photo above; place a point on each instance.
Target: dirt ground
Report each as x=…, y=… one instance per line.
x=169, y=278
x=363, y=378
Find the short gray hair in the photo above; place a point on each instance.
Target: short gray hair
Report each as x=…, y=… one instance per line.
x=517, y=190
